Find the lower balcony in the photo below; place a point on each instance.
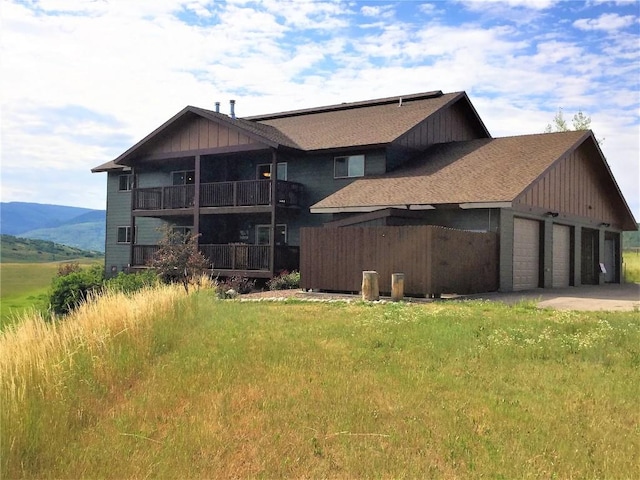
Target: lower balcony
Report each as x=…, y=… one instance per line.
x=234, y=258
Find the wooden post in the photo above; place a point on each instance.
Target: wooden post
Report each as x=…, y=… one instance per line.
x=370, y=287
x=397, y=286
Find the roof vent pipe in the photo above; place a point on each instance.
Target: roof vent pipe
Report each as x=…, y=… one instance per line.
x=217, y=107
x=233, y=108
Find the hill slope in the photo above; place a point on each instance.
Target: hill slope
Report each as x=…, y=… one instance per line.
x=81, y=228
x=24, y=250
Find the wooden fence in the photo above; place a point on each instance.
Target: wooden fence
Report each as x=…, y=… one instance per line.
x=434, y=260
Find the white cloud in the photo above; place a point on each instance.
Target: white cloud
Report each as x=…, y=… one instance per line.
x=608, y=22
x=88, y=79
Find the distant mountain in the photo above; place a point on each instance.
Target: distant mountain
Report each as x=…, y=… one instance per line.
x=19, y=250
x=81, y=228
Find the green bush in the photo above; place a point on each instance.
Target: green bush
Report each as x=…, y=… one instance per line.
x=233, y=286
x=68, y=291
x=285, y=281
x=132, y=282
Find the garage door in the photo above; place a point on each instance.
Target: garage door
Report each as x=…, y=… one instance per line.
x=561, y=256
x=526, y=254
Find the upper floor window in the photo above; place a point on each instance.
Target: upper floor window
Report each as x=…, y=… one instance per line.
x=125, y=183
x=263, y=232
x=348, y=166
x=124, y=234
x=264, y=171
x=186, y=177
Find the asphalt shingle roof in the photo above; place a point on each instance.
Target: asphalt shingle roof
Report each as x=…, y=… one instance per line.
x=358, y=124
x=484, y=170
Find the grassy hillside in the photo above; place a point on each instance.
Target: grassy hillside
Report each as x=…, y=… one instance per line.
x=18, y=250
x=84, y=236
x=191, y=387
x=19, y=217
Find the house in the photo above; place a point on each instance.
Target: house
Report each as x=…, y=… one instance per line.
x=249, y=185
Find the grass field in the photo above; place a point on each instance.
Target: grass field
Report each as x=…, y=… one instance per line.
x=631, y=265
x=24, y=286
x=162, y=385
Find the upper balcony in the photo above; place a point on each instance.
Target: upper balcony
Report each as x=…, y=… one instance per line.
x=218, y=197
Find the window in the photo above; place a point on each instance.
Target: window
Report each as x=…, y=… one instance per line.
x=124, y=234
x=125, y=183
x=262, y=234
x=264, y=171
x=187, y=177
x=350, y=166
x=182, y=231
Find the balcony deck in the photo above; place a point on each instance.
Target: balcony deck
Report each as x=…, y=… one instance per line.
x=226, y=196
x=234, y=258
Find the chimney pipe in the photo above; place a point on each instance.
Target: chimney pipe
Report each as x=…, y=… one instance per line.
x=233, y=108
x=217, y=107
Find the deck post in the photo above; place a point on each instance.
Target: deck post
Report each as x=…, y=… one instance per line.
x=370, y=286
x=196, y=198
x=272, y=230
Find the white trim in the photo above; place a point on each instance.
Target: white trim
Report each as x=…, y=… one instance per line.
x=370, y=208
x=346, y=209
x=421, y=207
x=485, y=205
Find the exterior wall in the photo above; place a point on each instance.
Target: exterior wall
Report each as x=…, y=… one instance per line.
x=197, y=133
x=575, y=187
x=316, y=173
x=118, y=215
x=578, y=230
x=447, y=125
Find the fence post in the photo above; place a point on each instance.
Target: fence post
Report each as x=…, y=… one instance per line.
x=370, y=287
x=397, y=286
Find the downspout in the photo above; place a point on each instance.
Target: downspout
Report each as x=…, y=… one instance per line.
x=274, y=203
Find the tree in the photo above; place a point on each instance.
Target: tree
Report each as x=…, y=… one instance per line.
x=178, y=258
x=580, y=121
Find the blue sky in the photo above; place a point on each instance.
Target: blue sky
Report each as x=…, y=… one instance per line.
x=83, y=80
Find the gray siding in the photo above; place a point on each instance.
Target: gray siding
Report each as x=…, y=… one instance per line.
x=316, y=174
x=118, y=215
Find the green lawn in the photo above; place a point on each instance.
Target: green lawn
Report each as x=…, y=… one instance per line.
x=24, y=286
x=202, y=388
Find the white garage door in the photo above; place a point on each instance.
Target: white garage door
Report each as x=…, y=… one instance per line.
x=561, y=256
x=526, y=254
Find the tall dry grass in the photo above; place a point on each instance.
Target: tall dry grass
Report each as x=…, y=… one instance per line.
x=36, y=357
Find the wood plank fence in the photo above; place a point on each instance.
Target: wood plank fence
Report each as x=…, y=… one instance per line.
x=434, y=260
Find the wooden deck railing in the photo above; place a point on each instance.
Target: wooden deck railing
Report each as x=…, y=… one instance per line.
x=232, y=256
x=219, y=194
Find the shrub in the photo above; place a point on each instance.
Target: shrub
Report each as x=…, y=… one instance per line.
x=233, y=286
x=68, y=291
x=67, y=268
x=132, y=282
x=285, y=281
x=178, y=258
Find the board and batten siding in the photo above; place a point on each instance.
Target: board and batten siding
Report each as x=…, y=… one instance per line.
x=196, y=133
x=446, y=125
x=574, y=185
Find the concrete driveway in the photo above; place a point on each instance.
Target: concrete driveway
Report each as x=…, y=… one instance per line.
x=625, y=297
